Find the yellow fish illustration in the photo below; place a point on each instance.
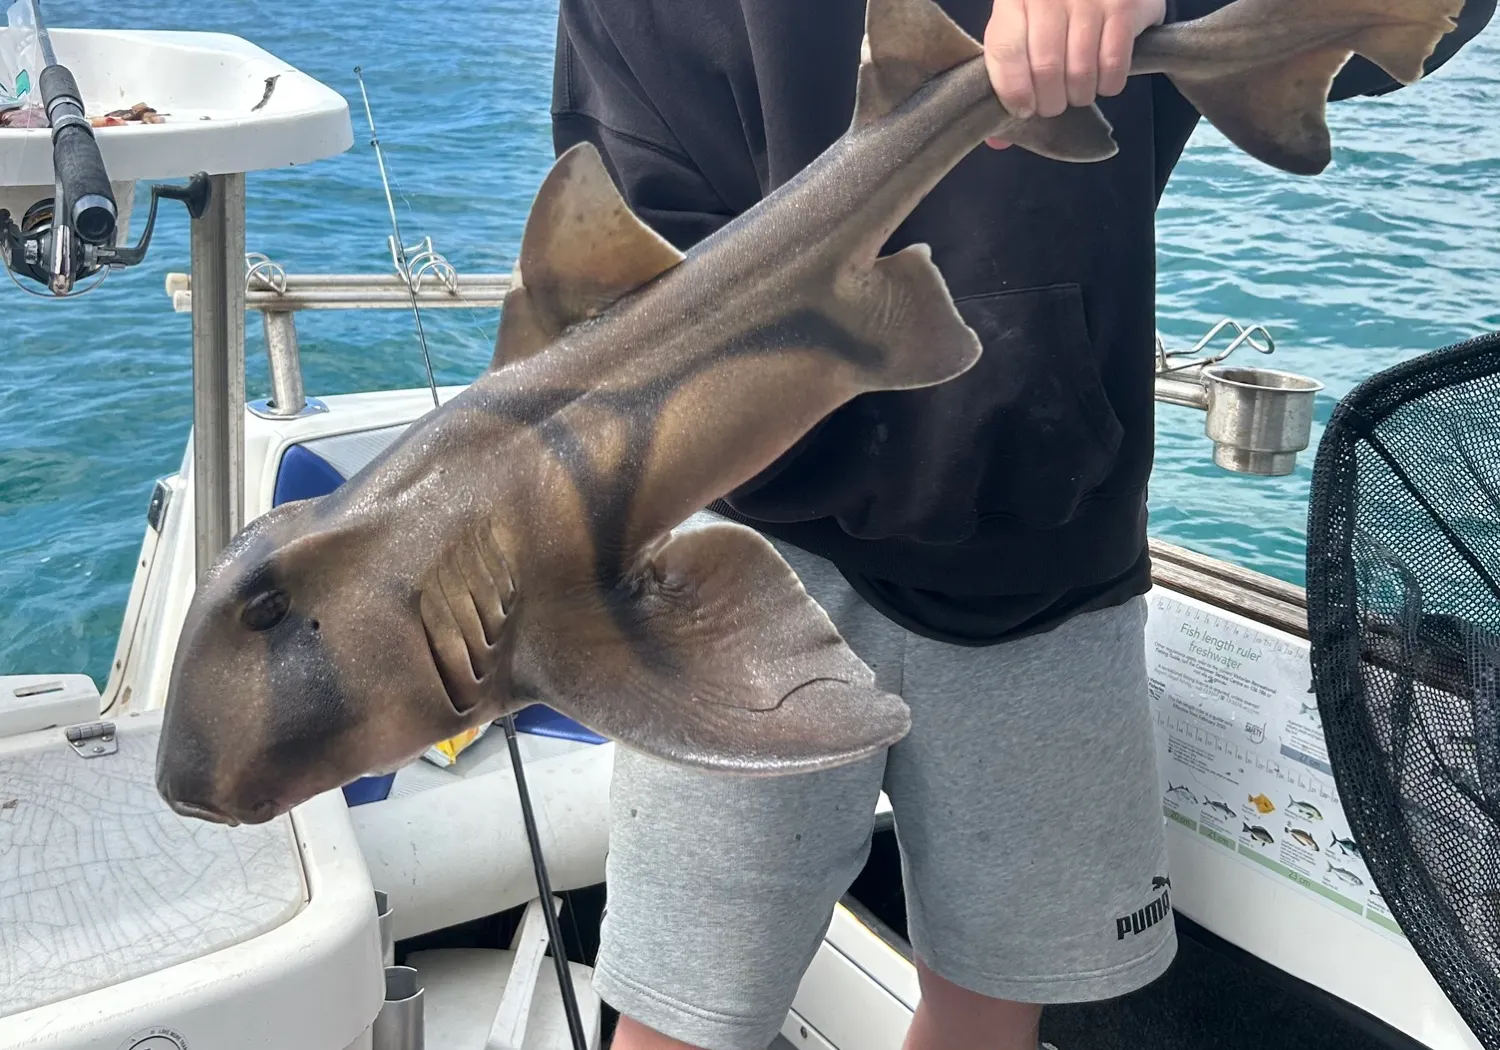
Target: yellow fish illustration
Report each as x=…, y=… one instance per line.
x=1262, y=803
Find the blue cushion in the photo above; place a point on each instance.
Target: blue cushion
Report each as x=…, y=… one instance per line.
x=303, y=474
x=541, y=720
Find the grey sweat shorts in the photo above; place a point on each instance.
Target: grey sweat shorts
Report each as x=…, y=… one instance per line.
x=1026, y=806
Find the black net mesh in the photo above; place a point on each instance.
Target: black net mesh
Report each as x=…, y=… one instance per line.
x=1404, y=615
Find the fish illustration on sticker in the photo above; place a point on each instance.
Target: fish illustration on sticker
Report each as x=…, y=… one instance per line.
x=1222, y=807
x=1305, y=810
x=1348, y=876
x=1303, y=838
x=1348, y=847
x=1181, y=792
x=1262, y=803
x=1259, y=834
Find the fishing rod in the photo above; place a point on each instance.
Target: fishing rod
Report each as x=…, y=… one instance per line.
x=70, y=236
x=528, y=815
x=398, y=245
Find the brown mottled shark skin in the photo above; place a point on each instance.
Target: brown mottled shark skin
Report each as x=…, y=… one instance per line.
x=517, y=545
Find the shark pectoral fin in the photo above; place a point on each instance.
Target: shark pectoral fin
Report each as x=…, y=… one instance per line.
x=907, y=43
x=716, y=658
x=1276, y=114
x=583, y=249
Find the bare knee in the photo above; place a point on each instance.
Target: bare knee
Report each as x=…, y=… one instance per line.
x=632, y=1035
x=950, y=1016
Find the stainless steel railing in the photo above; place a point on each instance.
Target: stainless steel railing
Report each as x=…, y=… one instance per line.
x=1258, y=419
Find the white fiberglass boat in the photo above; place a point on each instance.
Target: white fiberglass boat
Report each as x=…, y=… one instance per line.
x=126, y=927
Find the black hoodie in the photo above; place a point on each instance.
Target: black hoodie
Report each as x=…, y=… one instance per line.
x=1002, y=502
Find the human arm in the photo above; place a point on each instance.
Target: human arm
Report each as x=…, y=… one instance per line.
x=1045, y=55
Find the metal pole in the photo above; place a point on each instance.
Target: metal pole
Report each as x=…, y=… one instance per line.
x=544, y=891
x=284, y=363
x=1178, y=390
x=218, y=265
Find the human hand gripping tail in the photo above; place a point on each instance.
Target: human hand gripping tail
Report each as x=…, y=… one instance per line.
x=1046, y=55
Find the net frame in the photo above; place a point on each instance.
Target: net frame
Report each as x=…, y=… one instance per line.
x=1386, y=685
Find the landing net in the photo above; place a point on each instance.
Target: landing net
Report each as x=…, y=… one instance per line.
x=1403, y=587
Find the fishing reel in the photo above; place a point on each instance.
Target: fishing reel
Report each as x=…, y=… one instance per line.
x=69, y=237
x=59, y=255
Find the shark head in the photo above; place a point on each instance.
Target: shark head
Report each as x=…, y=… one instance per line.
x=303, y=664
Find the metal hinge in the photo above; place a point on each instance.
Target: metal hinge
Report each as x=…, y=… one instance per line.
x=161, y=499
x=93, y=739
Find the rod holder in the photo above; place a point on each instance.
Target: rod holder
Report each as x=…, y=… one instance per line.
x=284, y=364
x=400, y=1025
x=1258, y=418
x=387, y=928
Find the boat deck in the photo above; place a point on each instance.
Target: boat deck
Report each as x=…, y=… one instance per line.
x=1210, y=999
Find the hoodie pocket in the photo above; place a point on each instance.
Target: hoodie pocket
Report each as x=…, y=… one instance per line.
x=1048, y=433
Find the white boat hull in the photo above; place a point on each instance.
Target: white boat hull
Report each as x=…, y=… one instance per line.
x=448, y=845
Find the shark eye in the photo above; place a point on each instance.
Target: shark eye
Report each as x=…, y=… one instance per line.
x=265, y=610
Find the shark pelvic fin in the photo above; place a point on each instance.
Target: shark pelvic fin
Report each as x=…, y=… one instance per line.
x=907, y=43
x=713, y=657
x=583, y=249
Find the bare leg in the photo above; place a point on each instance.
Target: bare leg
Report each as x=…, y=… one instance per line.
x=630, y=1035
x=952, y=1018
x=948, y=1018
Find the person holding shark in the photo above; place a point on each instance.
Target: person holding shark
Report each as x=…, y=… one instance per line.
x=811, y=461
x=980, y=543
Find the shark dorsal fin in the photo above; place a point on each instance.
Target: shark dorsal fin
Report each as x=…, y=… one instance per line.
x=583, y=250
x=907, y=43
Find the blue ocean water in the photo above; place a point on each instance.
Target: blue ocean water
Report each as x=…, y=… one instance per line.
x=1393, y=252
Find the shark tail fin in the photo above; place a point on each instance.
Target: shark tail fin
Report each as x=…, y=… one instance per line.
x=909, y=42
x=1276, y=109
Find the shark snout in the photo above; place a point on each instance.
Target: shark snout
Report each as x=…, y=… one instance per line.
x=192, y=790
x=201, y=812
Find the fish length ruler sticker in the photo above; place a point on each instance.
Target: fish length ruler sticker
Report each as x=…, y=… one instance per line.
x=1242, y=757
